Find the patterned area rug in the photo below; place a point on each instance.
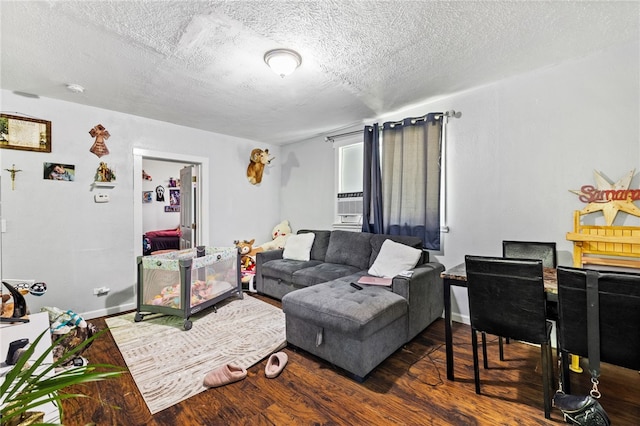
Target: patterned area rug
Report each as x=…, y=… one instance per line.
x=168, y=363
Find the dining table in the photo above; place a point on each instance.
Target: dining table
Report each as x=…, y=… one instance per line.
x=457, y=276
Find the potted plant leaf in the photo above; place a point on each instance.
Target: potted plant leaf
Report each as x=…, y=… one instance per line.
x=32, y=383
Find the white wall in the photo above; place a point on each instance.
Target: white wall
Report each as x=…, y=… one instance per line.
x=519, y=147
x=57, y=234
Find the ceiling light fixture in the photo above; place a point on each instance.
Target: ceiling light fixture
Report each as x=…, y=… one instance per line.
x=283, y=61
x=75, y=88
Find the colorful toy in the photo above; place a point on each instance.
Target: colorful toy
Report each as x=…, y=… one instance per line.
x=247, y=262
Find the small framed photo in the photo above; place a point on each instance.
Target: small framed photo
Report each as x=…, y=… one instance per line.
x=147, y=196
x=26, y=134
x=59, y=171
x=174, y=197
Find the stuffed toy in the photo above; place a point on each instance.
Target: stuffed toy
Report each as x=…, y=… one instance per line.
x=247, y=261
x=245, y=248
x=257, y=161
x=279, y=237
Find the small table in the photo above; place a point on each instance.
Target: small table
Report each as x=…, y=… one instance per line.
x=458, y=276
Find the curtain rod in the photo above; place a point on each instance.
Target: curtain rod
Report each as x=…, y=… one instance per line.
x=450, y=113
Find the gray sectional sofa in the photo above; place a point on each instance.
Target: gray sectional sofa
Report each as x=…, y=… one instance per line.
x=351, y=328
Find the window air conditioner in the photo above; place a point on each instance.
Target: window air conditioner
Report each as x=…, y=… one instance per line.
x=349, y=206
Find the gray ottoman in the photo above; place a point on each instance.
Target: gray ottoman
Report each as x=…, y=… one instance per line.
x=353, y=329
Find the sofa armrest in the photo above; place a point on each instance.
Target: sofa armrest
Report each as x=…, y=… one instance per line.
x=261, y=258
x=424, y=291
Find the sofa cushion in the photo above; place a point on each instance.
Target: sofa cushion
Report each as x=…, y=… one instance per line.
x=378, y=239
x=349, y=248
x=337, y=306
x=320, y=243
x=393, y=259
x=298, y=247
x=283, y=269
x=321, y=273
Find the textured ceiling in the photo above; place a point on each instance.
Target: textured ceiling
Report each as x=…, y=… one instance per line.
x=200, y=63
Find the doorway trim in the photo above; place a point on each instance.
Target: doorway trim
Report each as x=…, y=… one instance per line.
x=202, y=173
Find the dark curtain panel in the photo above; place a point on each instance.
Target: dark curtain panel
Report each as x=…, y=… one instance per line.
x=371, y=183
x=411, y=178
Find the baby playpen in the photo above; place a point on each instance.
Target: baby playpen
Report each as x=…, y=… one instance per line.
x=184, y=282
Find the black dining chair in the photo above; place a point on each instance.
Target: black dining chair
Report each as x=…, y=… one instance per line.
x=545, y=251
x=619, y=315
x=506, y=298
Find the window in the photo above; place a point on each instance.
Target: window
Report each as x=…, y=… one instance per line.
x=349, y=169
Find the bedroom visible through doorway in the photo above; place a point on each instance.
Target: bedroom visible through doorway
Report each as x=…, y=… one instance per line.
x=158, y=201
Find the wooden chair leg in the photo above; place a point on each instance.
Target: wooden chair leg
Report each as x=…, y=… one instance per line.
x=484, y=350
x=476, y=367
x=500, y=348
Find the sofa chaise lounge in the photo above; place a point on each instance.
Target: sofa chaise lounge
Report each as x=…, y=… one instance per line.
x=328, y=317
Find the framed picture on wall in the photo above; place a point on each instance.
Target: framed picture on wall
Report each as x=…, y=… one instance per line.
x=174, y=197
x=26, y=134
x=59, y=171
x=147, y=196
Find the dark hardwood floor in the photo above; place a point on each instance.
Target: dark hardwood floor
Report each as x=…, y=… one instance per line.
x=409, y=388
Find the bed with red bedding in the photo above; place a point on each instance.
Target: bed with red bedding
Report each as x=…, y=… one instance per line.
x=165, y=239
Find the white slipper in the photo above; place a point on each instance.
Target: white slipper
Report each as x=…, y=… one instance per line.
x=275, y=364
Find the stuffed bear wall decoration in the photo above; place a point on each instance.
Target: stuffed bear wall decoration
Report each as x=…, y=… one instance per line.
x=257, y=161
x=279, y=236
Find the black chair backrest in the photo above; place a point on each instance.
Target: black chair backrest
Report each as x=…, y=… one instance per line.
x=506, y=297
x=531, y=250
x=619, y=300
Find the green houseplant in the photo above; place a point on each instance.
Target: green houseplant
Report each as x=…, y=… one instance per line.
x=29, y=384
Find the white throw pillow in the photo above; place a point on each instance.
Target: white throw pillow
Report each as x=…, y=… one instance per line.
x=393, y=259
x=298, y=247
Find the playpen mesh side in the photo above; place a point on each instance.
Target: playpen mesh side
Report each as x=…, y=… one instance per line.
x=211, y=275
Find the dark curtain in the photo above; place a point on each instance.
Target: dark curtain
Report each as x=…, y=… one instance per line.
x=371, y=183
x=410, y=179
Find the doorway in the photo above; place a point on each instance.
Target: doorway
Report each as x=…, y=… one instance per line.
x=201, y=174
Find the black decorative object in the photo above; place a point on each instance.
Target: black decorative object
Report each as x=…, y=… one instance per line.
x=19, y=306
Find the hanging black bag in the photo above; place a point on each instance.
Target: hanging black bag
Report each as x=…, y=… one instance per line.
x=585, y=410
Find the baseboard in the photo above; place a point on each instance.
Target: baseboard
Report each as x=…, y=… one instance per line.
x=108, y=311
x=464, y=319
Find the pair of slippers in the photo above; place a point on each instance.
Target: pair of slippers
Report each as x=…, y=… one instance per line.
x=230, y=373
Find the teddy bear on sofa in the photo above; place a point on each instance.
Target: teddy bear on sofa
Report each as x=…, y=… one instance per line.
x=279, y=236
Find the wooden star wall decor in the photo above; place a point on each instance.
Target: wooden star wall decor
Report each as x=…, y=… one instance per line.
x=610, y=198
